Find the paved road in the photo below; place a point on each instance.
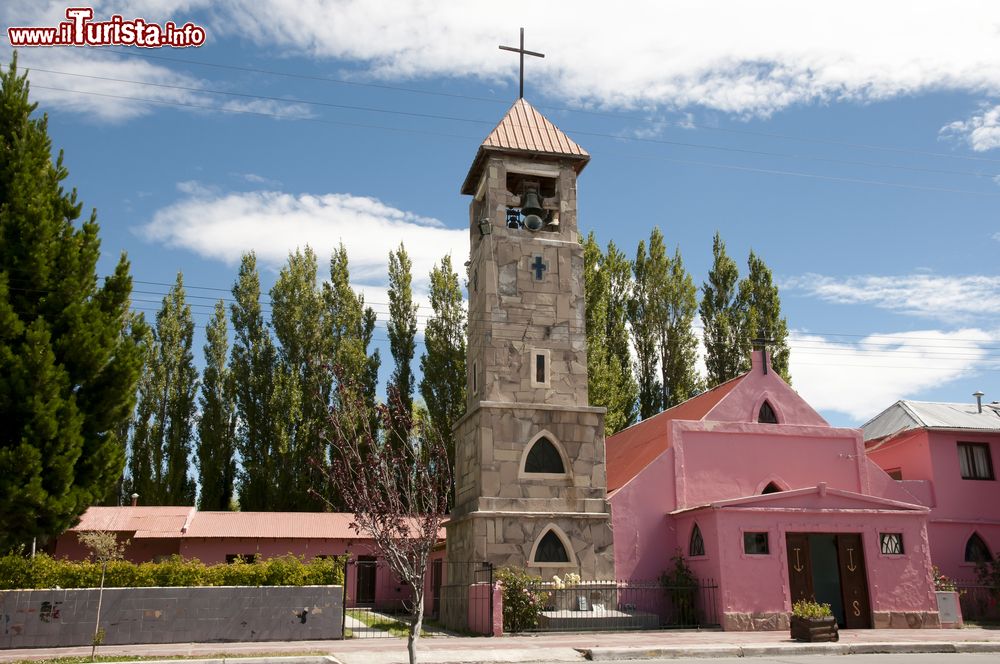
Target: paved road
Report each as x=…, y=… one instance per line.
x=969, y=658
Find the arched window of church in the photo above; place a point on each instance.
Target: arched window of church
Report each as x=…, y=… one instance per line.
x=551, y=550
x=543, y=457
x=767, y=414
x=697, y=545
x=976, y=550
x=771, y=488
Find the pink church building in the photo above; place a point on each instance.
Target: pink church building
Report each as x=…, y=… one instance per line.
x=943, y=454
x=762, y=495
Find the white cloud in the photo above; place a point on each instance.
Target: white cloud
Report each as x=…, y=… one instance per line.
x=735, y=57
x=862, y=378
x=948, y=298
x=996, y=236
x=740, y=58
x=222, y=226
x=981, y=131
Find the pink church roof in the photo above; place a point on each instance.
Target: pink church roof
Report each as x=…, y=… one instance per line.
x=524, y=129
x=634, y=448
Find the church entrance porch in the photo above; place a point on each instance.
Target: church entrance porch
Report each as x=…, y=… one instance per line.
x=830, y=569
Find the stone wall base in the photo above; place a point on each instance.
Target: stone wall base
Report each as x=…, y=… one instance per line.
x=907, y=619
x=755, y=622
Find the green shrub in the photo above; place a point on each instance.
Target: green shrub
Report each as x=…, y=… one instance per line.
x=42, y=571
x=806, y=609
x=522, y=602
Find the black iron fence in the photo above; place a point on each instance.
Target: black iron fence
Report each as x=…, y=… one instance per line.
x=980, y=603
x=626, y=605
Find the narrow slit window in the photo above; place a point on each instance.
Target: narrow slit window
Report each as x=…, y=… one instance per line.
x=539, y=368
x=697, y=545
x=475, y=378
x=551, y=550
x=766, y=415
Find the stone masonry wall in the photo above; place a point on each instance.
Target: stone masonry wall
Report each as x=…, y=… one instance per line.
x=51, y=618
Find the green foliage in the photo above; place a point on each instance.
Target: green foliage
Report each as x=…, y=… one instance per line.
x=68, y=365
x=609, y=366
x=443, y=363
x=402, y=330
x=761, y=306
x=522, y=602
x=217, y=423
x=808, y=609
x=642, y=322
x=988, y=574
x=680, y=575
x=727, y=344
x=681, y=586
x=18, y=572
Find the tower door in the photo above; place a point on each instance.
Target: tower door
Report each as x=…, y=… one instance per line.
x=853, y=581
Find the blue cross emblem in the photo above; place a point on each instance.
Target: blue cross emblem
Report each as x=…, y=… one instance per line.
x=539, y=267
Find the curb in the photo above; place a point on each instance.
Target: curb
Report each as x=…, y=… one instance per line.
x=617, y=654
x=292, y=659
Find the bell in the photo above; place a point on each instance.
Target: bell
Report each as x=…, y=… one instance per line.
x=532, y=210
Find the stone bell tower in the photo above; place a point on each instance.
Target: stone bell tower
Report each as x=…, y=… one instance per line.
x=531, y=490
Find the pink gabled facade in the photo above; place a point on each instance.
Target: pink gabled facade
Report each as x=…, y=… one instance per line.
x=799, y=485
x=157, y=532
x=923, y=445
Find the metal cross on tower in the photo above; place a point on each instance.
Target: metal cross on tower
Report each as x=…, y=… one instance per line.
x=523, y=53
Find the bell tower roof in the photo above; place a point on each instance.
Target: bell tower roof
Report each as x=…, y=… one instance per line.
x=523, y=130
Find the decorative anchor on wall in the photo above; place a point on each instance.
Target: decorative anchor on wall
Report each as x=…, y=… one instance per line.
x=850, y=557
x=522, y=52
x=798, y=563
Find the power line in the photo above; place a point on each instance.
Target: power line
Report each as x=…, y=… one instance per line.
x=451, y=118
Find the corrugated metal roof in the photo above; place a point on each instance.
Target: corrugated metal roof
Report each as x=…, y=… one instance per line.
x=904, y=415
x=524, y=129
x=634, y=448
x=144, y=522
x=277, y=525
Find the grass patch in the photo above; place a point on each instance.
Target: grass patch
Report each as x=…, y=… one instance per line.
x=382, y=622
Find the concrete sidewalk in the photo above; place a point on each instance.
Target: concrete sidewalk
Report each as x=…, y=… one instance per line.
x=569, y=647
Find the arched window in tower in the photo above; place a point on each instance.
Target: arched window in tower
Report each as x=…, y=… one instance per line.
x=697, y=545
x=543, y=457
x=551, y=549
x=771, y=488
x=766, y=415
x=976, y=550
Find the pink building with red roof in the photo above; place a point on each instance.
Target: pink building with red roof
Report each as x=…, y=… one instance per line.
x=763, y=496
x=218, y=537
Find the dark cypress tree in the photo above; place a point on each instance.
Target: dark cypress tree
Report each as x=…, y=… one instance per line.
x=443, y=362
x=217, y=424
x=68, y=367
x=402, y=329
x=643, y=324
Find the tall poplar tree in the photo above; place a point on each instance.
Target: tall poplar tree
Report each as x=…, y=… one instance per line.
x=304, y=352
x=641, y=319
x=174, y=336
x=162, y=439
x=443, y=362
x=761, y=307
x=618, y=271
x=727, y=343
x=678, y=350
x=253, y=363
x=402, y=329
x=609, y=383
x=217, y=424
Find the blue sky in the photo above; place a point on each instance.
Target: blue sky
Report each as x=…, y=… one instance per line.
x=853, y=146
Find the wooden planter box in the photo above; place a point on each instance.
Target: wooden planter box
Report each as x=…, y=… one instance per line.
x=815, y=629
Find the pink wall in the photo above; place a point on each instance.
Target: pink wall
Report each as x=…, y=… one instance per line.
x=645, y=538
x=959, y=507
x=138, y=551
x=480, y=612
x=719, y=461
x=759, y=583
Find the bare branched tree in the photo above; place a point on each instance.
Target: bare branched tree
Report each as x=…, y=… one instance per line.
x=398, y=493
x=104, y=547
